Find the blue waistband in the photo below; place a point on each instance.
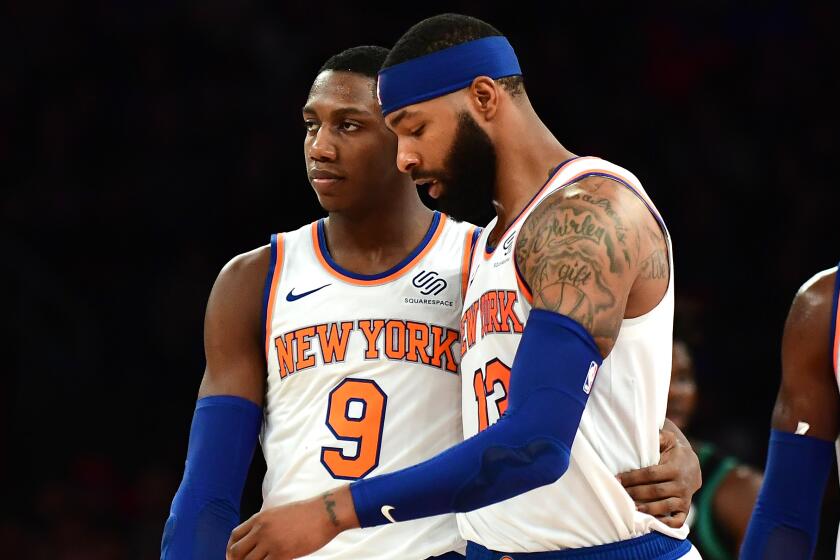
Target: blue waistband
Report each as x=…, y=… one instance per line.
x=653, y=546
x=448, y=556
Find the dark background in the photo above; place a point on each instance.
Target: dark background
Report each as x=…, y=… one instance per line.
x=144, y=144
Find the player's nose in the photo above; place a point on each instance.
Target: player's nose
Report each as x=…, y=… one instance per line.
x=321, y=148
x=407, y=160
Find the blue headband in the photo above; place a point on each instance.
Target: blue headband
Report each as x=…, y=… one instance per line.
x=445, y=71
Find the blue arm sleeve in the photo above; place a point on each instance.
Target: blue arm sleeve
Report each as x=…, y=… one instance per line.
x=206, y=507
x=786, y=517
x=527, y=448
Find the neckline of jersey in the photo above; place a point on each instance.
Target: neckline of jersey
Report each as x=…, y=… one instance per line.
x=319, y=239
x=488, y=251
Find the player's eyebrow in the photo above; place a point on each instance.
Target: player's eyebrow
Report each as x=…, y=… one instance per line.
x=400, y=116
x=341, y=111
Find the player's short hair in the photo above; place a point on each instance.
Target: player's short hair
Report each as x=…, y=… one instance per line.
x=442, y=32
x=365, y=60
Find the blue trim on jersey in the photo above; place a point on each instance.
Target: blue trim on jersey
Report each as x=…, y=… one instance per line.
x=476, y=234
x=272, y=263
x=489, y=250
x=633, y=190
x=832, y=328
x=448, y=556
x=322, y=242
x=653, y=545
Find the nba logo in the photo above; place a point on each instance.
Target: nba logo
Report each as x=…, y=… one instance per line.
x=590, y=377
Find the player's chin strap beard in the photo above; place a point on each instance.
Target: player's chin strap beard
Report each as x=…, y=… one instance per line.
x=468, y=190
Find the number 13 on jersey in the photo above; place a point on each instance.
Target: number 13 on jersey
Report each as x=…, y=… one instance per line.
x=355, y=413
x=491, y=386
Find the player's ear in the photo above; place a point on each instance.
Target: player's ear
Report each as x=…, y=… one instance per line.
x=484, y=97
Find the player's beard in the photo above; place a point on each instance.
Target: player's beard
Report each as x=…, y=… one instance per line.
x=469, y=174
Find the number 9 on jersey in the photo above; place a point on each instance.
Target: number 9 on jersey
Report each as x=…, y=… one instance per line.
x=355, y=413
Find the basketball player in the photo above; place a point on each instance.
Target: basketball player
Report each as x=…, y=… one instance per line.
x=806, y=423
x=356, y=316
x=572, y=280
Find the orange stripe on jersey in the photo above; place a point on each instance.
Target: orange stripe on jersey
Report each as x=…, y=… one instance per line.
x=466, y=262
x=379, y=281
x=523, y=286
x=836, y=334
x=275, y=280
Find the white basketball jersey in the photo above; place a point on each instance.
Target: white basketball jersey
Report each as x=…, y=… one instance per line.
x=619, y=430
x=363, y=377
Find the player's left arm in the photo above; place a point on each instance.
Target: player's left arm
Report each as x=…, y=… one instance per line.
x=579, y=252
x=665, y=490
x=582, y=253
x=806, y=423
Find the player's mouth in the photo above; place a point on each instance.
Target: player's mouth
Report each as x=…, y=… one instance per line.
x=323, y=178
x=434, y=186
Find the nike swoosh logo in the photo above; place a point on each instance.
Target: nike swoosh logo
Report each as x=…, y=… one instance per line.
x=293, y=297
x=386, y=513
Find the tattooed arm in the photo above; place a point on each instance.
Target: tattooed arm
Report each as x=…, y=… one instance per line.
x=593, y=252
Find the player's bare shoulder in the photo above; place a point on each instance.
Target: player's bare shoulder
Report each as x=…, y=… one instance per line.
x=245, y=265
x=241, y=281
x=583, y=248
x=233, y=330
x=808, y=392
x=813, y=303
x=808, y=325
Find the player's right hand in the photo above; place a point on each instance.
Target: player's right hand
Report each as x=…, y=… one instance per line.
x=665, y=490
x=293, y=530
